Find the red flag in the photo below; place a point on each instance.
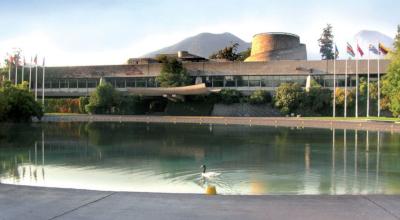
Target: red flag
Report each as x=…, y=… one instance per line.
x=11, y=60
x=360, y=51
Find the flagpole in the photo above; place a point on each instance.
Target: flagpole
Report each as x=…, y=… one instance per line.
x=36, y=81
x=368, y=83
x=9, y=71
x=23, y=67
x=356, y=88
x=379, y=86
x=334, y=86
x=30, y=75
x=16, y=71
x=345, y=92
x=43, y=83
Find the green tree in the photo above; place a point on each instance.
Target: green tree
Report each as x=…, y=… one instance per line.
x=288, y=97
x=131, y=105
x=228, y=53
x=3, y=73
x=230, y=96
x=173, y=74
x=326, y=43
x=340, y=101
x=391, y=81
x=4, y=107
x=244, y=54
x=260, y=97
x=83, y=101
x=103, y=100
x=317, y=101
x=18, y=104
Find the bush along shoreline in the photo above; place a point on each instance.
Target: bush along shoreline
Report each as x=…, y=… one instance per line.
x=17, y=103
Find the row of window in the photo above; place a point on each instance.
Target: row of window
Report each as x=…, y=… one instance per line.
x=210, y=81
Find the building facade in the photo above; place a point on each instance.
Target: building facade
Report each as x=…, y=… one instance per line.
x=244, y=76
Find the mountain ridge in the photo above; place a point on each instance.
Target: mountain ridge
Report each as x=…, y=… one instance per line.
x=203, y=44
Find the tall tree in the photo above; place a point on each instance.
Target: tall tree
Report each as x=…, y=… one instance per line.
x=244, y=54
x=326, y=43
x=228, y=53
x=172, y=74
x=397, y=41
x=391, y=81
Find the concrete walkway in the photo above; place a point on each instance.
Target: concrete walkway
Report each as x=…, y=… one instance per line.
x=24, y=202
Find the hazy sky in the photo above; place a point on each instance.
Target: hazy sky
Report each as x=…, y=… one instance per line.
x=79, y=32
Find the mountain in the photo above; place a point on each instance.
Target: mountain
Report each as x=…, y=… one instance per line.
x=367, y=37
x=203, y=44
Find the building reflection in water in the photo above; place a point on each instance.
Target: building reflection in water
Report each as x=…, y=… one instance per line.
x=356, y=184
x=333, y=170
x=355, y=155
x=345, y=159
x=378, y=146
x=313, y=177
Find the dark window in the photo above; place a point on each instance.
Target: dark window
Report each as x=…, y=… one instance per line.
x=230, y=81
x=130, y=83
x=47, y=84
x=254, y=81
x=242, y=81
x=140, y=82
x=73, y=83
x=63, y=83
x=54, y=84
x=120, y=83
x=151, y=82
x=91, y=83
x=218, y=81
x=81, y=83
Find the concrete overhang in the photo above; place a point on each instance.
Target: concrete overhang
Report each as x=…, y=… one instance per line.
x=199, y=89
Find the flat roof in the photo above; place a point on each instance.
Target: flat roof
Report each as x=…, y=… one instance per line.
x=277, y=33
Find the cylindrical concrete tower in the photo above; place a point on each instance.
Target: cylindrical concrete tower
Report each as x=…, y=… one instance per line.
x=277, y=46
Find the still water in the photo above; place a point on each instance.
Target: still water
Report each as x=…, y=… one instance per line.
x=167, y=158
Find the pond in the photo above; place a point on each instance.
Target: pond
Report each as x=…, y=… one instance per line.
x=251, y=160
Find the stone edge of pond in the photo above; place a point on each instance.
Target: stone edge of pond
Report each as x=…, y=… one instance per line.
x=361, y=124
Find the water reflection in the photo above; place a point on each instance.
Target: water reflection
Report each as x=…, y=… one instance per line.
x=166, y=158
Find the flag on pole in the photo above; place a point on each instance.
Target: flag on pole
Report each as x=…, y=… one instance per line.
x=373, y=49
x=336, y=52
x=350, y=50
x=384, y=50
x=43, y=61
x=35, y=60
x=10, y=60
x=16, y=59
x=360, y=51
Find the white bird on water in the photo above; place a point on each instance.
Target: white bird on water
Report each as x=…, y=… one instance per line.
x=208, y=175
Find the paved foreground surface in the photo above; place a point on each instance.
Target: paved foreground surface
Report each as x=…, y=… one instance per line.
x=24, y=202
x=264, y=121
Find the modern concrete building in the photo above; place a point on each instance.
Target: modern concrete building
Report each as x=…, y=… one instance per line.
x=245, y=76
x=276, y=46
